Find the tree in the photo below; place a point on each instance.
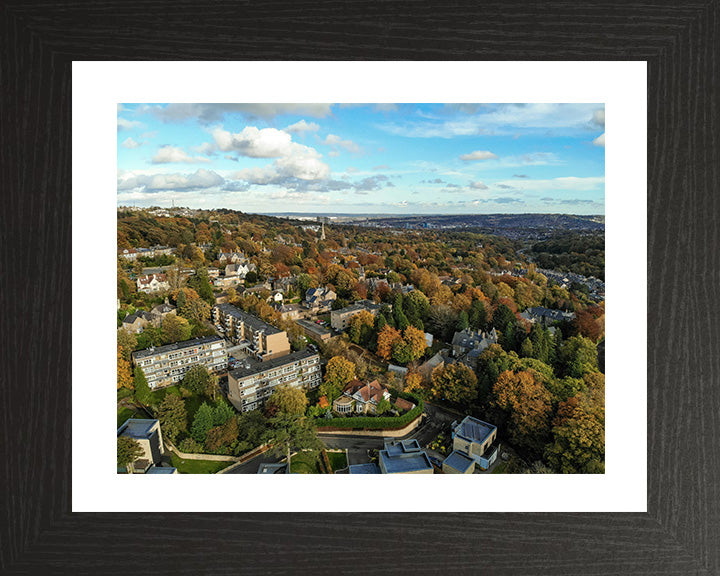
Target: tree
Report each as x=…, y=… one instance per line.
x=383, y=406
x=202, y=423
x=221, y=436
x=195, y=310
x=527, y=403
x=252, y=428
x=201, y=284
x=577, y=356
x=463, y=321
x=338, y=373
x=578, y=438
x=361, y=327
x=387, y=338
x=288, y=400
x=413, y=381
x=288, y=431
x=127, y=341
x=503, y=317
x=197, y=380
x=128, y=450
x=173, y=416
x=175, y=328
x=124, y=375
x=142, y=390
x=455, y=383
x=415, y=341
x=478, y=315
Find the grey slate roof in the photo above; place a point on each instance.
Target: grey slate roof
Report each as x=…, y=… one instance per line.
x=458, y=461
x=368, y=468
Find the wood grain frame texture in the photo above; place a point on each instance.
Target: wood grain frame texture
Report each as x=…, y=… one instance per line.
x=680, y=533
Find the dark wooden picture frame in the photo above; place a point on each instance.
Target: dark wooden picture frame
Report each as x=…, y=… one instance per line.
x=680, y=533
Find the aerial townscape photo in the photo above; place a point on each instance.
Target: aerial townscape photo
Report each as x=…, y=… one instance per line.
x=361, y=288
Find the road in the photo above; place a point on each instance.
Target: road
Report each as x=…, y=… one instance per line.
x=252, y=465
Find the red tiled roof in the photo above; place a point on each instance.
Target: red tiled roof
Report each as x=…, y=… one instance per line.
x=370, y=391
x=403, y=404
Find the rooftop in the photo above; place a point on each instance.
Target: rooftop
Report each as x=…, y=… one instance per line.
x=252, y=321
x=459, y=461
x=176, y=346
x=269, y=468
x=313, y=326
x=358, y=306
x=137, y=428
x=404, y=456
x=474, y=429
x=368, y=468
x=161, y=470
x=250, y=366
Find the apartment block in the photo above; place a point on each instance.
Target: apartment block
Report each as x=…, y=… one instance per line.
x=250, y=385
x=257, y=337
x=166, y=365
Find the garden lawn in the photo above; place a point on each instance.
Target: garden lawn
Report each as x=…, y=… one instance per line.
x=197, y=466
x=304, y=463
x=123, y=414
x=338, y=460
x=499, y=468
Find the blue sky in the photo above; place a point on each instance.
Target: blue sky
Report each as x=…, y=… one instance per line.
x=374, y=158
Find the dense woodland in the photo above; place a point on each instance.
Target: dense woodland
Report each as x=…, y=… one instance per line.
x=542, y=387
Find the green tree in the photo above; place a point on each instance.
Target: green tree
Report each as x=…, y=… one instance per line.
x=128, y=450
x=502, y=318
x=127, y=341
x=291, y=431
x=578, y=356
x=175, y=328
x=197, y=380
x=455, y=383
x=478, y=315
x=463, y=321
x=252, y=428
x=221, y=438
x=202, y=423
x=288, y=400
x=338, y=373
x=222, y=412
x=383, y=406
x=173, y=416
x=142, y=390
x=201, y=284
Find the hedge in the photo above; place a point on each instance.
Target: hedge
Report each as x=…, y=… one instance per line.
x=376, y=422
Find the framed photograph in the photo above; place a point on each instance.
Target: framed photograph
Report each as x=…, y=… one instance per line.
x=651, y=508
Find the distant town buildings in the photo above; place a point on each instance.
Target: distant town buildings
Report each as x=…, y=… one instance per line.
x=133, y=254
x=250, y=385
x=166, y=365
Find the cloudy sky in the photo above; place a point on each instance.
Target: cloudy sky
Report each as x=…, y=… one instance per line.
x=375, y=158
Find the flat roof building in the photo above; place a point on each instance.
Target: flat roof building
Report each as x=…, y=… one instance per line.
x=145, y=432
x=340, y=319
x=314, y=331
x=458, y=463
x=475, y=439
x=250, y=385
x=262, y=340
x=166, y=365
x=404, y=457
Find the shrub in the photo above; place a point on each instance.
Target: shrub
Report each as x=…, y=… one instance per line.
x=189, y=445
x=379, y=422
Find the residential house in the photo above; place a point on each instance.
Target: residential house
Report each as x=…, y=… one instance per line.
x=258, y=337
x=147, y=433
x=360, y=398
x=404, y=457
x=152, y=283
x=231, y=257
x=129, y=254
x=546, y=316
x=458, y=463
x=340, y=319
x=239, y=270
x=426, y=368
x=276, y=297
x=213, y=272
x=319, y=299
x=250, y=385
x=137, y=322
x=165, y=365
x=475, y=439
x=161, y=310
x=468, y=344
x=288, y=311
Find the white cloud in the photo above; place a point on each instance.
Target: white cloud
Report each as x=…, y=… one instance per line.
x=336, y=142
x=176, y=155
x=125, y=124
x=478, y=185
x=207, y=113
x=302, y=126
x=600, y=140
x=478, y=155
x=129, y=143
x=199, y=180
x=119, y=108
x=599, y=117
x=554, y=184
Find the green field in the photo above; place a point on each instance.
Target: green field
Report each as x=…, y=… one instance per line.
x=123, y=414
x=197, y=466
